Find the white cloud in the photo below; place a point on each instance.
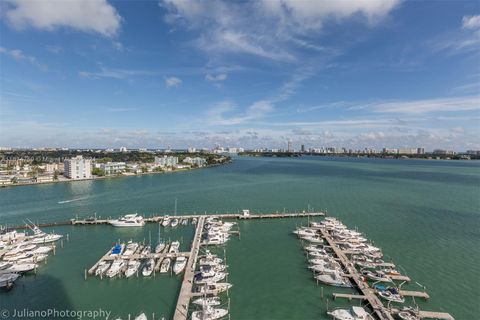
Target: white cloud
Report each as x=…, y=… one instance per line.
x=173, y=82
x=429, y=105
x=471, y=22
x=90, y=16
x=224, y=114
x=19, y=55
x=216, y=78
x=54, y=49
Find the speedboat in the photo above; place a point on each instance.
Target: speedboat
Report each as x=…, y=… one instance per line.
x=209, y=313
x=132, y=268
x=174, y=222
x=180, y=264
x=165, y=266
x=128, y=220
x=114, y=270
x=354, y=313
x=212, y=301
x=8, y=279
x=376, y=275
x=102, y=268
x=130, y=249
x=389, y=294
x=166, y=221
x=334, y=279
x=148, y=268
x=174, y=247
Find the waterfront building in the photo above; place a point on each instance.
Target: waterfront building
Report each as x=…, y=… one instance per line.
x=52, y=167
x=110, y=168
x=166, y=161
x=195, y=161
x=78, y=168
x=123, y=149
x=289, y=146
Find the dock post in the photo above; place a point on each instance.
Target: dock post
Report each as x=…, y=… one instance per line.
x=85, y=274
x=321, y=292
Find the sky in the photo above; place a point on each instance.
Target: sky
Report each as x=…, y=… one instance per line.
x=254, y=74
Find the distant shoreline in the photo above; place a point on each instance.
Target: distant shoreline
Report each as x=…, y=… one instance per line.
x=112, y=176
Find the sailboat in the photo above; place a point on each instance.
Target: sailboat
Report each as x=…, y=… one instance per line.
x=160, y=245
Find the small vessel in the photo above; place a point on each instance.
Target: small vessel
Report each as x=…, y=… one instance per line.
x=160, y=244
x=20, y=268
x=312, y=239
x=146, y=250
x=194, y=221
x=408, y=313
x=389, y=294
x=376, y=275
x=165, y=266
x=354, y=313
x=102, y=268
x=174, y=247
x=334, y=279
x=42, y=250
x=212, y=301
x=214, y=287
x=132, y=268
x=326, y=268
x=148, y=268
x=114, y=270
x=174, y=222
x=128, y=220
x=209, y=313
x=184, y=222
x=7, y=279
x=180, y=264
x=203, y=279
x=166, y=221
x=117, y=250
x=141, y=316
x=130, y=248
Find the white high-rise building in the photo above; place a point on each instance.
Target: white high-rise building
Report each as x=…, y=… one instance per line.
x=78, y=168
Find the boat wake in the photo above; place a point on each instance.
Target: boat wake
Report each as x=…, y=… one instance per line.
x=72, y=200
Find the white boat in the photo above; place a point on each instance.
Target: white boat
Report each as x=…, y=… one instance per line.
x=20, y=268
x=41, y=237
x=355, y=313
x=114, y=270
x=376, y=275
x=209, y=313
x=148, y=268
x=216, y=277
x=326, y=268
x=141, y=316
x=409, y=313
x=334, y=279
x=102, y=268
x=166, y=221
x=33, y=258
x=391, y=294
x=132, y=268
x=42, y=250
x=174, y=247
x=130, y=249
x=128, y=220
x=194, y=220
x=8, y=279
x=312, y=239
x=174, y=222
x=12, y=236
x=146, y=250
x=184, y=222
x=160, y=246
x=180, y=264
x=216, y=287
x=165, y=266
x=211, y=301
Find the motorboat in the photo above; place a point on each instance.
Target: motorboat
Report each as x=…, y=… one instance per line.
x=408, y=313
x=7, y=279
x=174, y=222
x=318, y=254
x=117, y=250
x=184, y=222
x=321, y=260
x=376, y=275
x=165, y=266
x=312, y=239
x=128, y=220
x=389, y=294
x=354, y=313
x=102, y=268
x=160, y=247
x=305, y=232
x=146, y=250
x=148, y=268
x=326, y=268
x=20, y=268
x=130, y=249
x=180, y=264
x=32, y=258
x=215, y=287
x=214, y=268
x=132, y=268
x=174, y=247
x=211, y=301
x=216, y=277
x=166, y=221
x=194, y=221
x=209, y=313
x=114, y=270
x=141, y=316
x=334, y=279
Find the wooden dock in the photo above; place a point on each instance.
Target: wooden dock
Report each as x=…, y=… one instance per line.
x=416, y=294
x=348, y=296
x=428, y=314
x=181, y=310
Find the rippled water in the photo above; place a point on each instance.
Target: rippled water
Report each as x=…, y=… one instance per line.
x=423, y=214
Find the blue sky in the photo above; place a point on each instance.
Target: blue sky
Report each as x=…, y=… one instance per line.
x=156, y=74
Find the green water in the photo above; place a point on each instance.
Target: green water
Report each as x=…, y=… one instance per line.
x=423, y=214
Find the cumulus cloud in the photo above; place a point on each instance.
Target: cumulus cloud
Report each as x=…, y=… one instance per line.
x=173, y=82
x=90, y=16
x=471, y=22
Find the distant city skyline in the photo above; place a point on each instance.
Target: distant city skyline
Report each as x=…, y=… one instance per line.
x=190, y=73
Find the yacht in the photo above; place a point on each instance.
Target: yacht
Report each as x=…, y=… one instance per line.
x=165, y=266
x=334, y=279
x=20, y=268
x=130, y=249
x=216, y=277
x=132, y=268
x=209, y=313
x=174, y=247
x=312, y=239
x=326, y=268
x=217, y=287
x=212, y=301
x=166, y=221
x=180, y=264
x=41, y=250
x=389, y=294
x=128, y=220
x=8, y=279
x=174, y=222
x=102, y=268
x=376, y=275
x=354, y=313
x=141, y=316
x=114, y=270
x=148, y=268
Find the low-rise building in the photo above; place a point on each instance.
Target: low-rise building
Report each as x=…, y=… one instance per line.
x=166, y=161
x=195, y=161
x=110, y=168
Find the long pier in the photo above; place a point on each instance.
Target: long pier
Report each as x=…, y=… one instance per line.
x=181, y=310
